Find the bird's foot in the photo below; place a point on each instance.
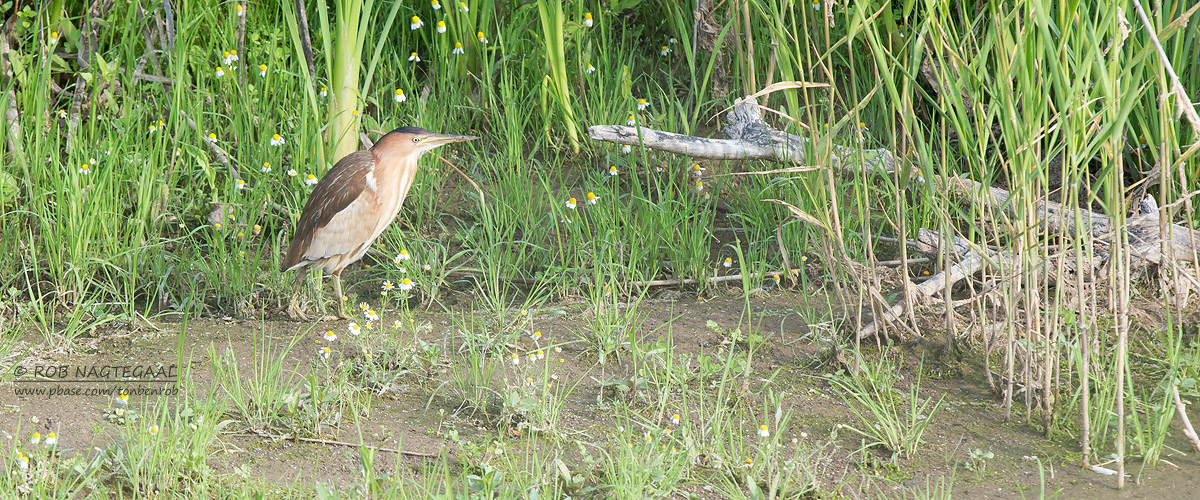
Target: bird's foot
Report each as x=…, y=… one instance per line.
x=296, y=311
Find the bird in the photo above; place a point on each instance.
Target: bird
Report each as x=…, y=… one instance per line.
x=352, y=204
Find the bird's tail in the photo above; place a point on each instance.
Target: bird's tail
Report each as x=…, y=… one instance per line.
x=294, y=258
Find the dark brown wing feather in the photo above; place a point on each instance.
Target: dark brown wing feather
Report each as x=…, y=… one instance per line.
x=343, y=184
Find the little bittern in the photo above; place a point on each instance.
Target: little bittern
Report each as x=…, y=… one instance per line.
x=353, y=204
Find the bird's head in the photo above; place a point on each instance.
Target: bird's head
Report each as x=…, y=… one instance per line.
x=415, y=141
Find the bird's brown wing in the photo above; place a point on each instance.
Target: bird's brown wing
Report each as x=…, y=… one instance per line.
x=344, y=187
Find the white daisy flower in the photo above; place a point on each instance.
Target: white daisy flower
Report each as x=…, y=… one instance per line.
x=330, y=336
x=400, y=97
x=276, y=140
x=587, y=19
x=590, y=69
x=416, y=23
x=311, y=180
x=441, y=26
x=412, y=57
x=458, y=48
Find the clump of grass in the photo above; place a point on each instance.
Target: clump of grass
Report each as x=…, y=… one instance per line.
x=887, y=417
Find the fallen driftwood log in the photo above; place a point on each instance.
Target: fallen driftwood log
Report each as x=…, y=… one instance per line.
x=1151, y=240
x=750, y=138
x=1146, y=238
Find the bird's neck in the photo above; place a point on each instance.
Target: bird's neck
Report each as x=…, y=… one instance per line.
x=394, y=175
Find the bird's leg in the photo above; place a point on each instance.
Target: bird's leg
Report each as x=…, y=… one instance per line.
x=295, y=307
x=341, y=299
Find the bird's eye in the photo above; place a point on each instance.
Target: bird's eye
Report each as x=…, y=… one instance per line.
x=416, y=138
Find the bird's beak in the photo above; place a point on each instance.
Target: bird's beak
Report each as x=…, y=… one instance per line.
x=435, y=140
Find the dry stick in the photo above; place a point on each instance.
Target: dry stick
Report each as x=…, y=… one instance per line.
x=1091, y=333
x=911, y=260
x=482, y=201
x=273, y=437
x=241, y=43
x=139, y=75
x=213, y=148
x=787, y=263
x=16, y=142
x=1121, y=278
x=83, y=57
x=305, y=40
x=169, y=18
x=1188, y=430
x=714, y=279
x=1185, y=102
x=152, y=37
